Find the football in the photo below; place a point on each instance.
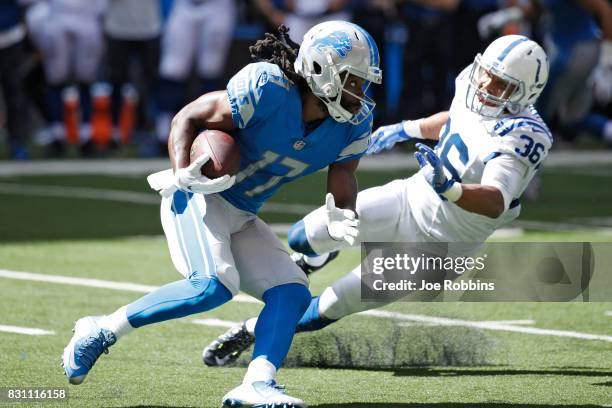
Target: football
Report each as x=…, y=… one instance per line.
x=223, y=151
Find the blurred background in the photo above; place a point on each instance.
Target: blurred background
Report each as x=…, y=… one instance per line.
x=103, y=78
x=93, y=85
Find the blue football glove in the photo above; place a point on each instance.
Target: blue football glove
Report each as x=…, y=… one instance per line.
x=433, y=169
x=385, y=137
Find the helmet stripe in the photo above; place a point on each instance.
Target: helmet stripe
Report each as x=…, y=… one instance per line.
x=510, y=47
x=537, y=78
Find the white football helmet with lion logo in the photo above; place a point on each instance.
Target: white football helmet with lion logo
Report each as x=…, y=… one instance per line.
x=329, y=52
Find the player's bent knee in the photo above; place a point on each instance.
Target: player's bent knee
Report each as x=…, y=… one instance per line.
x=298, y=241
x=209, y=291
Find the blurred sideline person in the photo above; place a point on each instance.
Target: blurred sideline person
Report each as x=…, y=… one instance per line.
x=12, y=56
x=301, y=15
x=68, y=34
x=578, y=39
x=295, y=111
x=198, y=32
x=133, y=29
x=489, y=146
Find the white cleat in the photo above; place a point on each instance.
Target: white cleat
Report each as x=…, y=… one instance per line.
x=261, y=394
x=87, y=344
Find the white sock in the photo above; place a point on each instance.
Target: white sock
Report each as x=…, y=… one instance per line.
x=316, y=260
x=250, y=325
x=608, y=131
x=327, y=300
x=259, y=369
x=117, y=322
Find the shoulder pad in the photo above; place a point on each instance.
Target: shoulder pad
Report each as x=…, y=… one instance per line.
x=526, y=137
x=255, y=91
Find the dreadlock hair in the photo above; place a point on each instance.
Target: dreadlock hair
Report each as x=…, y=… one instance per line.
x=281, y=51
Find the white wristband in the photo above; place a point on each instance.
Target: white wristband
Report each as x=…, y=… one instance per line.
x=413, y=128
x=454, y=192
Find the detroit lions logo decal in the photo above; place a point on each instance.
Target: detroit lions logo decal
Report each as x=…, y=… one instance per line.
x=338, y=41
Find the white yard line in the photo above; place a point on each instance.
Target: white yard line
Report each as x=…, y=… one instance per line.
x=270, y=207
x=505, y=233
x=32, y=331
x=215, y=322
x=381, y=162
x=79, y=192
x=125, y=196
x=512, y=322
x=112, y=167
x=96, y=283
x=442, y=321
x=609, y=313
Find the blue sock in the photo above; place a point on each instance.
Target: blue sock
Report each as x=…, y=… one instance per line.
x=86, y=102
x=178, y=299
x=297, y=239
x=55, y=104
x=311, y=319
x=276, y=323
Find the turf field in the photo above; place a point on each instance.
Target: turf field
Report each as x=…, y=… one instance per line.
x=60, y=228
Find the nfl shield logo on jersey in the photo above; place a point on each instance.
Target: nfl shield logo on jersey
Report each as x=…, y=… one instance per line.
x=299, y=145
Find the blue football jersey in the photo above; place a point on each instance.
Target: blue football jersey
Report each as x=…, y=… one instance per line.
x=275, y=145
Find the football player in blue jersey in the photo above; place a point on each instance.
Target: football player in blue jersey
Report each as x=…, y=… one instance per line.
x=295, y=111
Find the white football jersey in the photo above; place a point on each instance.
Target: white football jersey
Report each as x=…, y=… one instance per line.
x=467, y=143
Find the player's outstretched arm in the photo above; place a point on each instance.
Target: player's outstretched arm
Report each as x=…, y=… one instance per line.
x=481, y=199
x=209, y=111
x=385, y=137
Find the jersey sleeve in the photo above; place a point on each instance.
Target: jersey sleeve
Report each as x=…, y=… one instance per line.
x=255, y=92
x=358, y=141
x=508, y=174
x=525, y=138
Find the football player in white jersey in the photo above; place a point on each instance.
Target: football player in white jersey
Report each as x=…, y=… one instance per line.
x=68, y=34
x=489, y=145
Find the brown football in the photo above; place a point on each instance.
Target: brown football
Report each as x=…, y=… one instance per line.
x=223, y=150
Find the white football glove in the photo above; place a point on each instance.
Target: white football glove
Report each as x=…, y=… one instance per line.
x=342, y=224
x=190, y=179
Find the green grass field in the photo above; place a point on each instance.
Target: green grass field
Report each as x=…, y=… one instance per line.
x=431, y=365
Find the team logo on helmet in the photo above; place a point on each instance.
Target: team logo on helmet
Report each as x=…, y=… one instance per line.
x=338, y=41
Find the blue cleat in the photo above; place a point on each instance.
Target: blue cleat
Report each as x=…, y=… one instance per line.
x=261, y=394
x=87, y=344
